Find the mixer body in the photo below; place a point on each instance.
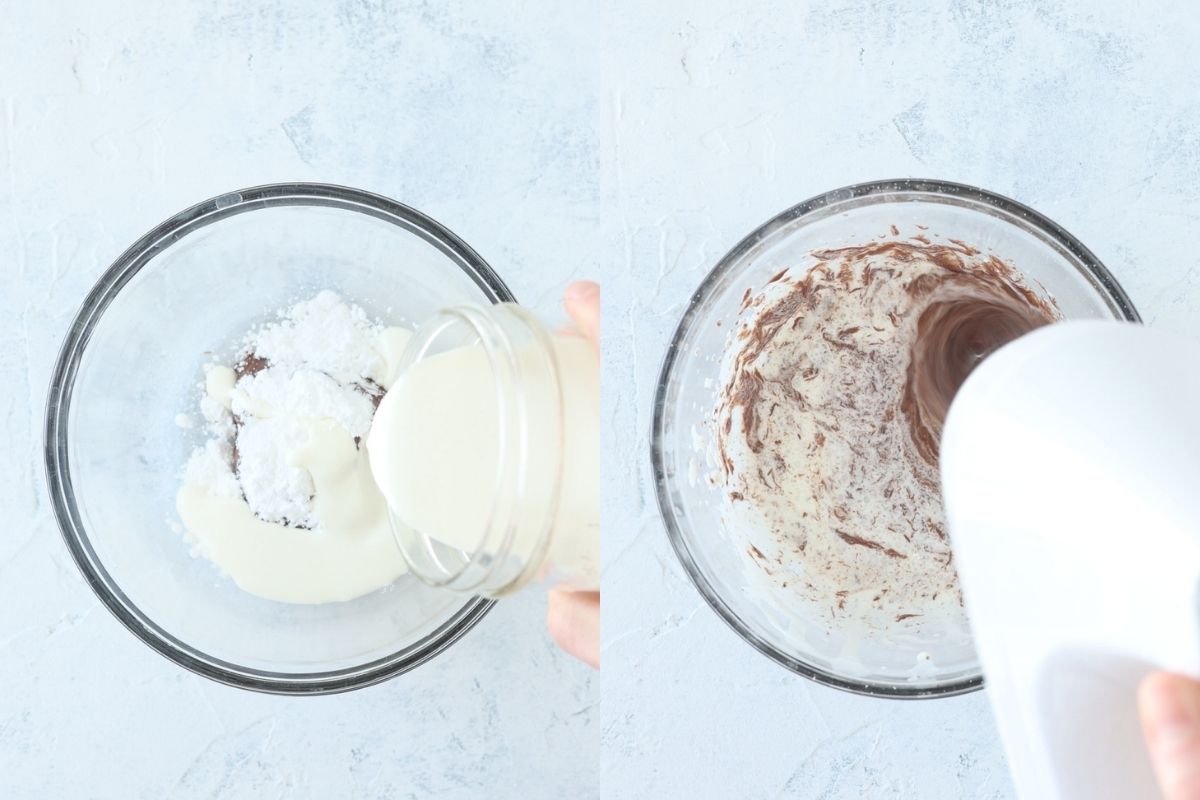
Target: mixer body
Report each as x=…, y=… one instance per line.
x=1070, y=467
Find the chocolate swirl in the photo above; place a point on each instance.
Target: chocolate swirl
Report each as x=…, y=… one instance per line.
x=966, y=317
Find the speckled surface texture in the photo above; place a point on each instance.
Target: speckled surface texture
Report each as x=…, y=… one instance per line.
x=639, y=143
x=113, y=118
x=716, y=118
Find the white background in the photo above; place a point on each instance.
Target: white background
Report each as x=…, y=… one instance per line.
x=113, y=116
x=638, y=143
x=719, y=116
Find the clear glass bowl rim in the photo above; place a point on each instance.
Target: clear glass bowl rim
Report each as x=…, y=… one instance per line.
x=944, y=191
x=56, y=432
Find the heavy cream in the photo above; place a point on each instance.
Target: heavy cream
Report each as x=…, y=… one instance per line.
x=350, y=553
x=444, y=456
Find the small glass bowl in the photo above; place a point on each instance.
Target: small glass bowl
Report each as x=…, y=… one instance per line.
x=1053, y=262
x=132, y=362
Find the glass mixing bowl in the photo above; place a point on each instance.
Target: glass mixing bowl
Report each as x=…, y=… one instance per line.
x=132, y=361
x=1053, y=262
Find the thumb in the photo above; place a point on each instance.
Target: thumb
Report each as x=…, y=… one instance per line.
x=582, y=301
x=1170, y=710
x=573, y=619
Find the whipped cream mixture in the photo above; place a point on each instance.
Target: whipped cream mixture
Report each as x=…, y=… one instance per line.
x=830, y=416
x=280, y=497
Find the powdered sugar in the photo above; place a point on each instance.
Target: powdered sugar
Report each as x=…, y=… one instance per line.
x=303, y=393
x=318, y=365
x=217, y=419
x=276, y=489
x=210, y=467
x=324, y=334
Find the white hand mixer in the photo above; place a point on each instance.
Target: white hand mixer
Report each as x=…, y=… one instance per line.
x=1071, y=475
